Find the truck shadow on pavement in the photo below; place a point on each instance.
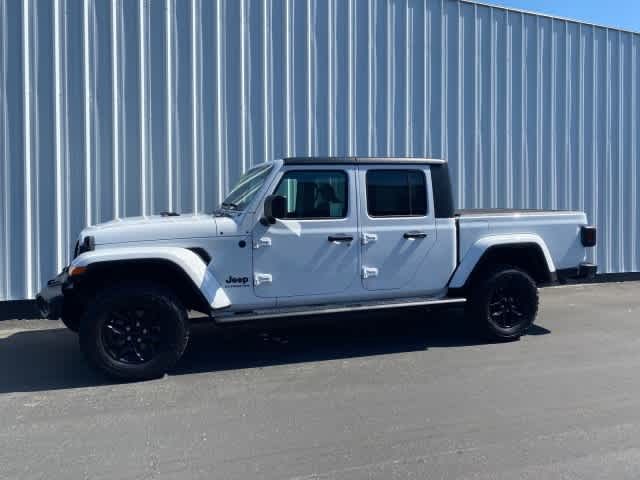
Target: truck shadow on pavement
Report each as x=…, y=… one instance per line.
x=50, y=359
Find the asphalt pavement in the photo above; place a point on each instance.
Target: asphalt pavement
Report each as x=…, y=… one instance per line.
x=401, y=394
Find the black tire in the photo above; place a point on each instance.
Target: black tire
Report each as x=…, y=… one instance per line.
x=71, y=322
x=134, y=331
x=72, y=314
x=503, y=302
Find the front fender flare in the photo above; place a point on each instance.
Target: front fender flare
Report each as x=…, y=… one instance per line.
x=481, y=246
x=186, y=260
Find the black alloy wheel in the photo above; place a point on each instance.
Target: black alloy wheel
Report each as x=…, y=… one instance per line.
x=506, y=307
x=134, y=335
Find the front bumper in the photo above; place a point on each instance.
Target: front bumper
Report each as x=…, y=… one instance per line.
x=583, y=272
x=50, y=299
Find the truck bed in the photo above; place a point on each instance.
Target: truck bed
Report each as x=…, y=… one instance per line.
x=560, y=230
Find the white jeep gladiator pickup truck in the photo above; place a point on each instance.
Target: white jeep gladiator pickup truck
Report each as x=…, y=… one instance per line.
x=304, y=236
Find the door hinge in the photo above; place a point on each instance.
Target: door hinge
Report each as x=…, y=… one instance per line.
x=263, y=242
x=368, y=238
x=368, y=272
x=260, y=278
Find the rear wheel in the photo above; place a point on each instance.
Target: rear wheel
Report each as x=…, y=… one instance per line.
x=135, y=331
x=503, y=302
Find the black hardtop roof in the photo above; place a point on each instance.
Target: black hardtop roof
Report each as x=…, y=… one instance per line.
x=362, y=160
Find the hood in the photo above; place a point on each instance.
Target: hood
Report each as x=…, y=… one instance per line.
x=157, y=227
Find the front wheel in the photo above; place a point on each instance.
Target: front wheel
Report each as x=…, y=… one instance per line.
x=72, y=322
x=134, y=331
x=503, y=302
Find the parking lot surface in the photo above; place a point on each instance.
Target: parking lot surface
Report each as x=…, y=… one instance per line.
x=401, y=394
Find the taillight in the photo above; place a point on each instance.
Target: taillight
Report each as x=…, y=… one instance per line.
x=588, y=235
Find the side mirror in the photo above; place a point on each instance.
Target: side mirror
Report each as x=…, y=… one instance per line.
x=274, y=207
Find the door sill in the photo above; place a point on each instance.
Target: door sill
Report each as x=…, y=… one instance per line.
x=335, y=308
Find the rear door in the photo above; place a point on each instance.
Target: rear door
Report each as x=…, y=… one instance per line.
x=314, y=250
x=398, y=228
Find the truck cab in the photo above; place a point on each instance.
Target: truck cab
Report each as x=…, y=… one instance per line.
x=304, y=236
x=321, y=239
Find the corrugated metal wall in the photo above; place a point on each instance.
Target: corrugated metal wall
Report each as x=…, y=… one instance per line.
x=117, y=108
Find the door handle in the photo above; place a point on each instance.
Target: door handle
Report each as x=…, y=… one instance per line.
x=340, y=238
x=409, y=235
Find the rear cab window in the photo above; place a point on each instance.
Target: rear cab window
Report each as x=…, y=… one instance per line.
x=396, y=193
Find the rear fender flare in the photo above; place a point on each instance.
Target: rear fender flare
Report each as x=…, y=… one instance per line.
x=481, y=246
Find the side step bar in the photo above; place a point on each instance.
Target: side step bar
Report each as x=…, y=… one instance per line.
x=331, y=309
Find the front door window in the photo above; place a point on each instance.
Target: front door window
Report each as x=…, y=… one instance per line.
x=314, y=194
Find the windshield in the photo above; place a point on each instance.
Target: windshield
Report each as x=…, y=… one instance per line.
x=246, y=188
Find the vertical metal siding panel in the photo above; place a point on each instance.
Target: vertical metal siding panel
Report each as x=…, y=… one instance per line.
x=43, y=172
x=87, y=113
x=5, y=204
x=232, y=70
x=493, y=108
x=378, y=82
x=15, y=148
x=580, y=113
x=340, y=78
x=143, y=48
x=389, y=77
x=601, y=121
x=116, y=103
x=352, y=38
x=121, y=108
x=182, y=107
x=59, y=213
x=129, y=98
x=500, y=90
x=244, y=69
x=197, y=132
x=101, y=54
x=518, y=95
x=610, y=52
x=207, y=102
x=635, y=151
x=468, y=106
x=509, y=112
x=529, y=107
x=546, y=114
x=485, y=106
x=626, y=160
x=27, y=78
x=362, y=76
x=588, y=112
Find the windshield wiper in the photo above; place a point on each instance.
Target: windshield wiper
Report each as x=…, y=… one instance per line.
x=229, y=205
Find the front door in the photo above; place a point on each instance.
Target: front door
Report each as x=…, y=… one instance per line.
x=398, y=228
x=314, y=250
